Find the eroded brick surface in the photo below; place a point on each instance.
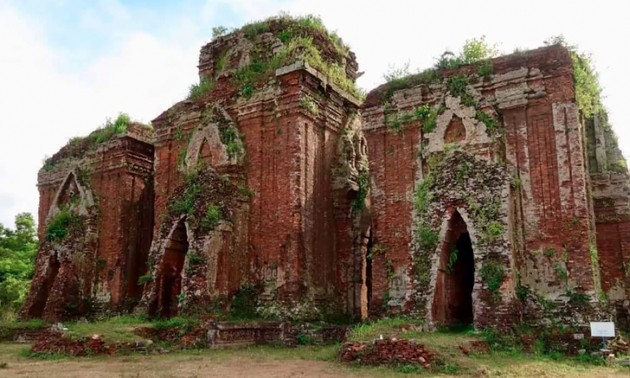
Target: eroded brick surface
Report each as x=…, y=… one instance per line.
x=484, y=199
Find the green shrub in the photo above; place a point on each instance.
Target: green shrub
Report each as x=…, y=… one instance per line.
x=118, y=126
x=185, y=204
x=211, y=218
x=194, y=258
x=457, y=84
x=184, y=324
x=59, y=226
x=303, y=339
x=197, y=91
x=231, y=138
x=493, y=273
x=146, y=278
x=244, y=303
x=427, y=237
x=490, y=122
x=364, y=186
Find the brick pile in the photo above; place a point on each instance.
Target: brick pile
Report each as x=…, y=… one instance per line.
x=388, y=352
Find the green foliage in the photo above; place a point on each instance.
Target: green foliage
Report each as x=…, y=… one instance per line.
x=211, y=218
x=61, y=224
x=450, y=368
x=425, y=77
x=185, y=204
x=452, y=259
x=308, y=104
x=146, y=278
x=230, y=137
x=17, y=254
x=396, y=73
x=303, y=339
x=197, y=91
x=118, y=126
x=297, y=36
x=490, y=122
x=410, y=369
x=493, y=273
x=587, y=87
x=427, y=238
x=253, y=29
x=424, y=114
x=363, y=180
x=218, y=31
x=244, y=303
x=549, y=252
x=184, y=324
x=522, y=291
x=221, y=63
x=477, y=49
x=561, y=272
x=493, y=230
x=194, y=258
x=423, y=194
x=484, y=68
x=457, y=84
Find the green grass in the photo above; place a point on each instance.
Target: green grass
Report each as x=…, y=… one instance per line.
x=183, y=323
x=510, y=363
x=24, y=324
x=117, y=328
x=385, y=326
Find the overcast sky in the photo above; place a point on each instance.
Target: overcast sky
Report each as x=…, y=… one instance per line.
x=67, y=65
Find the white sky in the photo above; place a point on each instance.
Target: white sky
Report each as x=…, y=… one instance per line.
x=63, y=76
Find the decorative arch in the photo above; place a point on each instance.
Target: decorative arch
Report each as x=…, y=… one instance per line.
x=463, y=193
x=72, y=194
x=168, y=276
x=454, y=279
x=461, y=118
x=207, y=146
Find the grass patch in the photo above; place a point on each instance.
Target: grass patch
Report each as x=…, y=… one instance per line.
x=28, y=353
x=117, y=328
x=385, y=326
x=197, y=91
x=185, y=324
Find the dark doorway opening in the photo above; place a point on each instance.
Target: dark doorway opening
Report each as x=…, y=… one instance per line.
x=452, y=303
x=170, y=273
x=39, y=304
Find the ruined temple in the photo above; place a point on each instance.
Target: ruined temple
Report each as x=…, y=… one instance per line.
x=480, y=194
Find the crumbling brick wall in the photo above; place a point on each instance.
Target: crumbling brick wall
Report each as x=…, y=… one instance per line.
x=287, y=232
x=521, y=118
x=459, y=196
x=100, y=198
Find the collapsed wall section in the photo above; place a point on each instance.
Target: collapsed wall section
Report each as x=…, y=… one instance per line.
x=95, y=221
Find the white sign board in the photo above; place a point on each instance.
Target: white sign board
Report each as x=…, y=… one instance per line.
x=602, y=329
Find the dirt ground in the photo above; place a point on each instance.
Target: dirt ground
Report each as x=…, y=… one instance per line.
x=268, y=362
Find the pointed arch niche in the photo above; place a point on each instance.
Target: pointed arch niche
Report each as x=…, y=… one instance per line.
x=169, y=274
x=71, y=194
x=452, y=299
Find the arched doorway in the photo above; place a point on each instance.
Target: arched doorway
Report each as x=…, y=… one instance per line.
x=41, y=296
x=452, y=301
x=170, y=272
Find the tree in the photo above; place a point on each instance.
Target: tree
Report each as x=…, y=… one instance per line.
x=17, y=254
